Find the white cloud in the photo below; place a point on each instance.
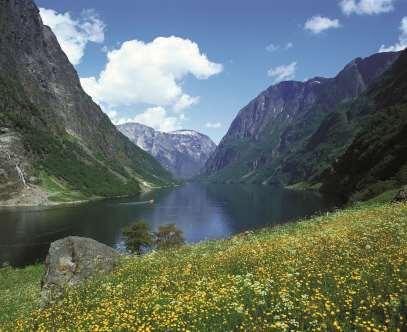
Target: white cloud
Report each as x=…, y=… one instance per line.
x=402, y=44
x=213, y=125
x=73, y=35
x=366, y=7
x=317, y=24
x=150, y=73
x=273, y=47
x=185, y=101
x=283, y=73
x=157, y=118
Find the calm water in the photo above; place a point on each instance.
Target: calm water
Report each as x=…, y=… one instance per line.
x=201, y=211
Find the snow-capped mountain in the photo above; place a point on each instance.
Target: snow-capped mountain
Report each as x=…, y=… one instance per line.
x=182, y=152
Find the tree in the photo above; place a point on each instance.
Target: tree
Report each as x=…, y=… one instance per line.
x=169, y=236
x=138, y=237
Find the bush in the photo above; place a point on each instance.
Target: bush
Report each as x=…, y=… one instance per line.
x=138, y=237
x=169, y=236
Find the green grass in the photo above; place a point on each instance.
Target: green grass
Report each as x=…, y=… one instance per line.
x=19, y=292
x=59, y=192
x=342, y=271
x=384, y=197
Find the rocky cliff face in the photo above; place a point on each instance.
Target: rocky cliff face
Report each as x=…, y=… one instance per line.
x=266, y=140
x=182, y=152
x=12, y=161
x=63, y=134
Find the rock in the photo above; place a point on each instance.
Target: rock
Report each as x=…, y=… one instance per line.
x=12, y=158
x=401, y=195
x=72, y=260
x=34, y=180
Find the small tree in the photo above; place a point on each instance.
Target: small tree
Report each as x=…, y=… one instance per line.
x=138, y=237
x=169, y=236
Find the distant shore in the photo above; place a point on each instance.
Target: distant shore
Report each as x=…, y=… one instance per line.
x=36, y=197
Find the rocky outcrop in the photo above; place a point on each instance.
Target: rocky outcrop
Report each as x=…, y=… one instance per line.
x=13, y=164
x=72, y=260
x=182, y=152
x=275, y=126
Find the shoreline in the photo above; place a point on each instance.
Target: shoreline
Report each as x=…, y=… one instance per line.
x=252, y=260
x=45, y=203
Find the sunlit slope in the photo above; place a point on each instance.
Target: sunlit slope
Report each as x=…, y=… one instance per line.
x=341, y=271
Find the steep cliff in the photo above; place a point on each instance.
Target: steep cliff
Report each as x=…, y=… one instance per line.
x=182, y=152
x=282, y=135
x=376, y=159
x=52, y=134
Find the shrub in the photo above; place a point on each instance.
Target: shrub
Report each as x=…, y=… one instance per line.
x=169, y=236
x=138, y=237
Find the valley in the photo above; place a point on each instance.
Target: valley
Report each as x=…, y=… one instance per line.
x=119, y=212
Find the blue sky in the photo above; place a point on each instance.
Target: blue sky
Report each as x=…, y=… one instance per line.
x=204, y=89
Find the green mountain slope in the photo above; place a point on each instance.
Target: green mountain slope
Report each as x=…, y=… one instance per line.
x=52, y=135
x=376, y=160
x=294, y=130
x=356, y=147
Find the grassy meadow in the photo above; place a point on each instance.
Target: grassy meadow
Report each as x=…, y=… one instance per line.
x=341, y=271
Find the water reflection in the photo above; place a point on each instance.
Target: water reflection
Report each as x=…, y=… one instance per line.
x=201, y=211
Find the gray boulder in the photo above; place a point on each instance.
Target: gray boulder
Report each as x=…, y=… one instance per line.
x=72, y=260
x=401, y=195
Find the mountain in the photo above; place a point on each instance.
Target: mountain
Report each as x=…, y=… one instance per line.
x=182, y=152
x=292, y=132
x=376, y=160
x=53, y=137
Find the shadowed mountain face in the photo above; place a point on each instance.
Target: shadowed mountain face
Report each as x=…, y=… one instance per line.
x=291, y=132
x=50, y=128
x=182, y=152
x=376, y=159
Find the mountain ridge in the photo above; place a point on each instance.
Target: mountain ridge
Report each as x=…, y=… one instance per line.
x=273, y=130
x=182, y=152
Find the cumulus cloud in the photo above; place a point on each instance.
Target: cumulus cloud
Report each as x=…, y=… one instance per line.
x=402, y=43
x=139, y=73
x=366, y=7
x=318, y=24
x=283, y=72
x=184, y=102
x=157, y=118
x=273, y=47
x=74, y=34
x=213, y=125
